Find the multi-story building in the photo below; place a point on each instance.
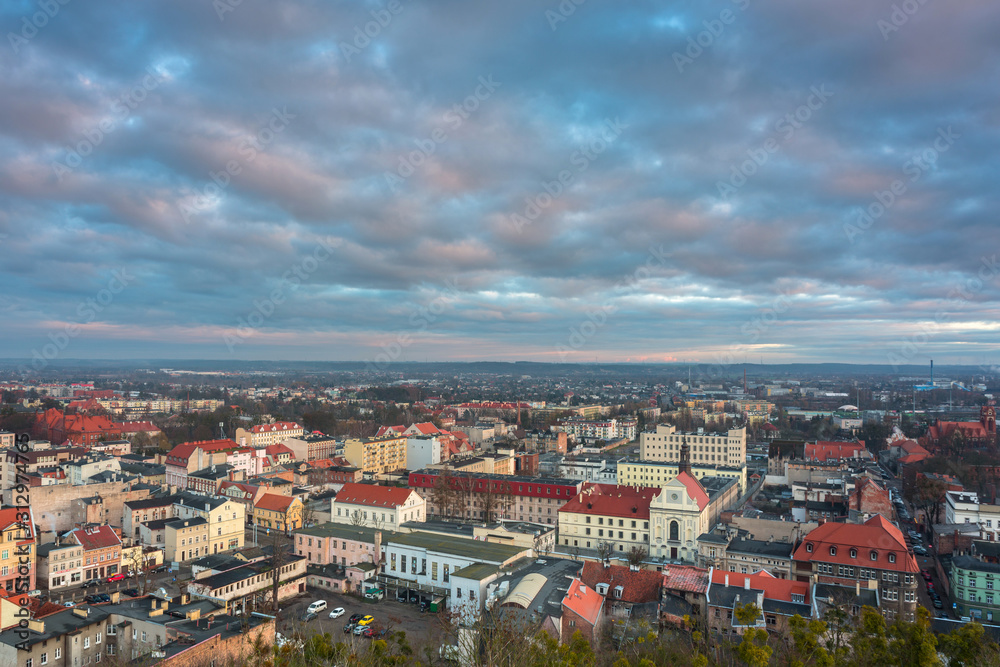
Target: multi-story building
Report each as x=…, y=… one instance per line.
x=658, y=473
x=138, y=512
x=608, y=514
x=377, y=455
x=870, y=556
x=210, y=479
x=188, y=457
x=473, y=496
x=263, y=435
x=777, y=599
x=975, y=588
x=250, y=586
x=429, y=560
x=422, y=451
x=745, y=556
x=664, y=444
x=963, y=507
x=57, y=426
x=60, y=565
x=79, y=471
x=282, y=513
x=340, y=544
x=102, y=550
x=380, y=506
x=312, y=447
x=17, y=549
x=225, y=518
x=604, y=429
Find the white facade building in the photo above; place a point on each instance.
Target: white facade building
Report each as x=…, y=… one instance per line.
x=422, y=451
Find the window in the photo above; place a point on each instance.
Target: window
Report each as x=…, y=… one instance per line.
x=854, y=553
x=892, y=558
x=833, y=551
x=809, y=547
x=873, y=555
x=58, y=653
x=97, y=639
x=86, y=642
x=45, y=658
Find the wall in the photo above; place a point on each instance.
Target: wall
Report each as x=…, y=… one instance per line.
x=235, y=650
x=52, y=505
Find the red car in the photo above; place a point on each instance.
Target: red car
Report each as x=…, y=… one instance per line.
x=116, y=577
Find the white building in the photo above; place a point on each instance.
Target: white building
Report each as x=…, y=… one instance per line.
x=81, y=470
x=59, y=565
x=422, y=451
x=964, y=507
x=664, y=444
x=378, y=506
x=603, y=429
x=589, y=470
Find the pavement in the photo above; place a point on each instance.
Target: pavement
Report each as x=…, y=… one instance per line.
x=421, y=628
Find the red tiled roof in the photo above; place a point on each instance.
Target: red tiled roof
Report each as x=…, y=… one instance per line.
x=8, y=517
x=612, y=500
x=637, y=586
x=389, y=430
x=274, y=450
x=694, y=489
x=276, y=426
x=876, y=536
x=968, y=429
x=96, y=537
x=774, y=588
x=373, y=495
x=685, y=578
x=825, y=450
x=274, y=502
x=584, y=601
x=427, y=428
x=768, y=426
x=183, y=451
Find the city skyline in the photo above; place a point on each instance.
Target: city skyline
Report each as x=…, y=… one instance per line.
x=665, y=182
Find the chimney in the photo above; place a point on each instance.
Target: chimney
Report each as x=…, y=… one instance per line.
x=727, y=580
x=857, y=588
x=583, y=588
x=746, y=582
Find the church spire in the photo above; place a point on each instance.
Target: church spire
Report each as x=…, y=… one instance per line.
x=685, y=463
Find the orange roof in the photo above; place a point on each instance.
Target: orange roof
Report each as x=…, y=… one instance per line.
x=183, y=451
x=96, y=537
x=612, y=500
x=637, y=585
x=427, y=428
x=276, y=426
x=694, y=488
x=825, y=450
x=274, y=450
x=774, y=588
x=373, y=495
x=274, y=502
x=685, y=578
x=583, y=601
x=8, y=517
x=876, y=536
x=389, y=430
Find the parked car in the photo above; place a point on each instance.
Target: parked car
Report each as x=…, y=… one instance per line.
x=366, y=620
x=92, y=599
x=317, y=606
x=337, y=613
x=938, y=604
x=308, y=616
x=919, y=550
x=356, y=617
x=414, y=597
x=359, y=630
x=926, y=574
x=69, y=604
x=374, y=594
x=401, y=596
x=104, y=597
x=117, y=577
x=131, y=592
x=348, y=627
x=92, y=582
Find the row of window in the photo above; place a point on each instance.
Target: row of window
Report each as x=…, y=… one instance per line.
x=873, y=554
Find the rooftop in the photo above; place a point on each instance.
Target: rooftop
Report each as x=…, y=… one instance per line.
x=486, y=552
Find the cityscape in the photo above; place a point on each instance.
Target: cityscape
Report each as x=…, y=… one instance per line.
x=561, y=333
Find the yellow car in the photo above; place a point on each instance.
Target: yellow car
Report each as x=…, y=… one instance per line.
x=366, y=620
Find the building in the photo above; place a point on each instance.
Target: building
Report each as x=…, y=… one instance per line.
x=476, y=495
x=975, y=588
x=825, y=451
x=263, y=435
x=746, y=556
x=664, y=444
x=422, y=451
x=964, y=507
x=629, y=593
x=658, y=473
x=872, y=556
x=283, y=513
x=81, y=429
x=778, y=600
x=17, y=549
x=137, y=512
x=340, y=544
x=977, y=434
x=603, y=429
x=311, y=447
x=377, y=455
x=189, y=457
x=583, y=612
x=606, y=514
x=249, y=587
x=379, y=506
x=102, y=550
x=59, y=565
x=200, y=526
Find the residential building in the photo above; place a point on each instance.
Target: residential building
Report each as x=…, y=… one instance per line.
x=102, y=550
x=282, y=513
x=379, y=506
x=778, y=600
x=745, y=556
x=340, y=544
x=264, y=435
x=60, y=565
x=81, y=470
x=249, y=587
x=975, y=588
x=311, y=447
x=422, y=451
x=628, y=592
x=189, y=457
x=869, y=556
x=583, y=612
x=225, y=520
x=664, y=444
x=473, y=496
x=137, y=512
x=377, y=455
x=964, y=507
x=603, y=429
x=607, y=514
x=17, y=549
x=658, y=473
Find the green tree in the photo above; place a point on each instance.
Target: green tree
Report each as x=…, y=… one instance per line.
x=914, y=644
x=753, y=650
x=869, y=646
x=967, y=646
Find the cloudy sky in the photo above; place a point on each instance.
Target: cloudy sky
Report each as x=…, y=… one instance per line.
x=710, y=181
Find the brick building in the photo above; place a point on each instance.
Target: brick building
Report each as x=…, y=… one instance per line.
x=583, y=612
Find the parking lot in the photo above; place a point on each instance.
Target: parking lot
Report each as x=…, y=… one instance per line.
x=431, y=629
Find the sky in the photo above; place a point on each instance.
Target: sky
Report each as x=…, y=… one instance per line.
x=712, y=182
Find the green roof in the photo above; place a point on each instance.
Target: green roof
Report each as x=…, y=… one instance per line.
x=476, y=571
x=345, y=531
x=480, y=550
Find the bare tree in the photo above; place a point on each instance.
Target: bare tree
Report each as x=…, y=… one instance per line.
x=357, y=518
x=604, y=550
x=277, y=562
x=637, y=555
x=442, y=495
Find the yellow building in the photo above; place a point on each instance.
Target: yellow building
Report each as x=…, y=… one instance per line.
x=660, y=473
x=376, y=455
x=280, y=512
x=664, y=444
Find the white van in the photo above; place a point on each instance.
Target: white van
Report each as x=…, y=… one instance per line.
x=316, y=607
